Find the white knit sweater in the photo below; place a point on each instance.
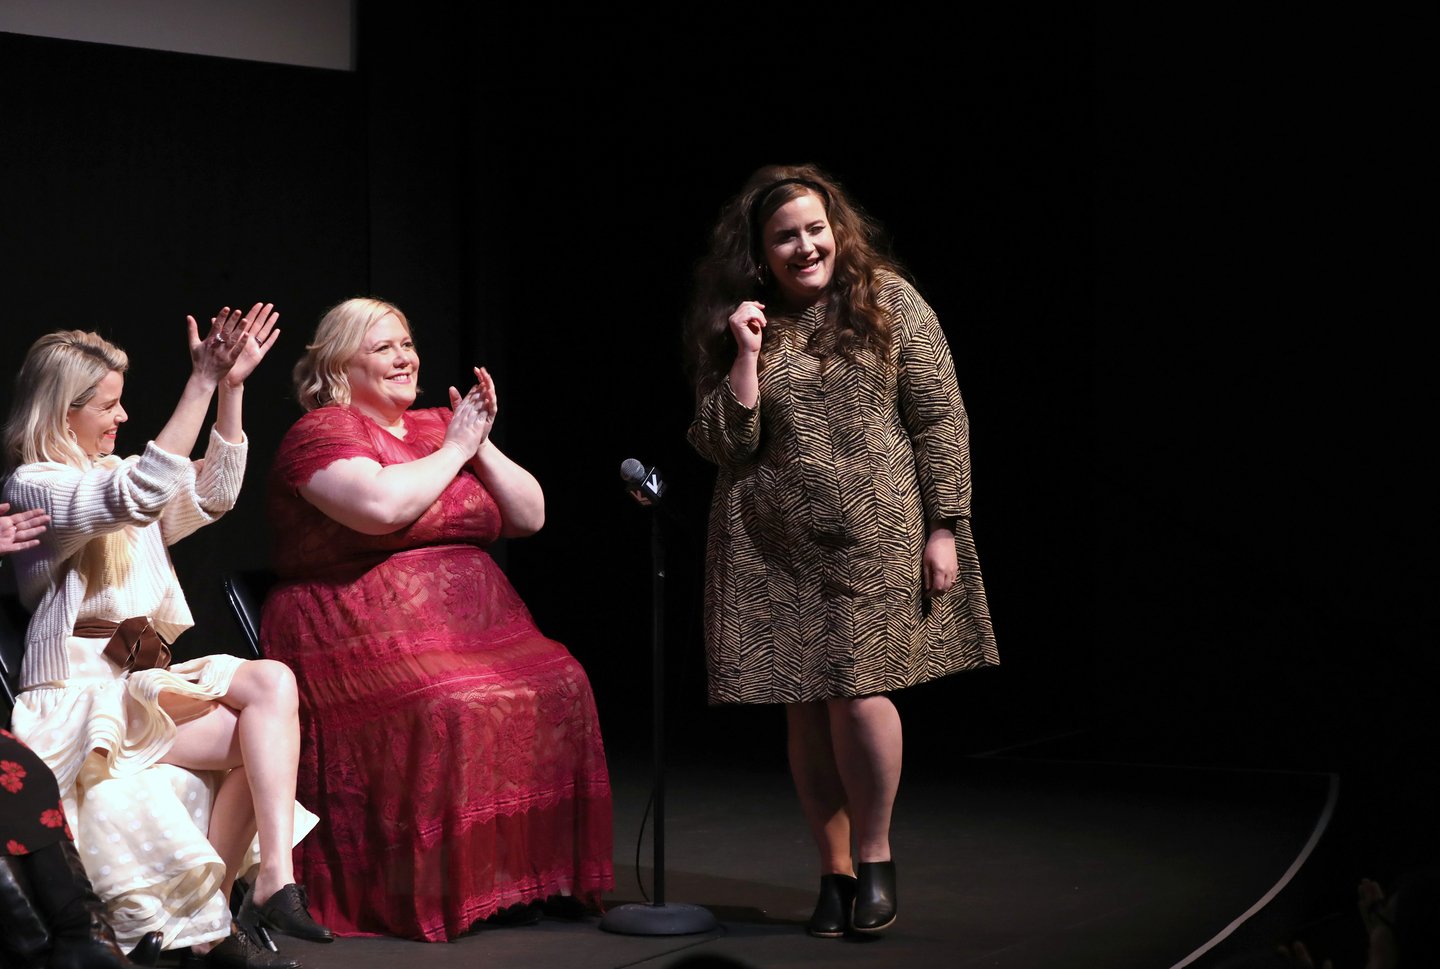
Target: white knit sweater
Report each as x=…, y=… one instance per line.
x=160, y=495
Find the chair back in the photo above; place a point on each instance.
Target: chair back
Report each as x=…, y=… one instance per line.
x=245, y=590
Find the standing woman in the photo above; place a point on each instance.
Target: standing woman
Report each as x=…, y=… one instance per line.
x=161, y=847
x=840, y=565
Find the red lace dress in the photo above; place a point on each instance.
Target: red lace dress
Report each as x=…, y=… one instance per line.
x=451, y=751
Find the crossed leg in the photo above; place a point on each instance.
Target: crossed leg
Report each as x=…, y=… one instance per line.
x=256, y=734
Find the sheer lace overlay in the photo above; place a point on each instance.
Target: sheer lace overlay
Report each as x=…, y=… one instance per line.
x=452, y=752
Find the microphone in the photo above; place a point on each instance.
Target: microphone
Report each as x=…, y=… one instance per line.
x=645, y=486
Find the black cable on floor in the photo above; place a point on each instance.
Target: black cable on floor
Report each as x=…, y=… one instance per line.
x=638, y=839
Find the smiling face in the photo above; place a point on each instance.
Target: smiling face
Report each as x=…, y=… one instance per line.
x=383, y=371
x=95, y=422
x=800, y=249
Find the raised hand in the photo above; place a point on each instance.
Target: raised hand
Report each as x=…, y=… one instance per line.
x=257, y=336
x=212, y=357
x=747, y=323
x=489, y=400
x=20, y=530
x=474, y=415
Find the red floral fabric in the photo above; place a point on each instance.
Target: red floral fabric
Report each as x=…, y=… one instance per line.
x=452, y=752
x=11, y=776
x=31, y=815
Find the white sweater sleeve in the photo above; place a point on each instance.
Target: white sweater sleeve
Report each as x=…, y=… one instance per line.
x=83, y=505
x=204, y=497
x=87, y=504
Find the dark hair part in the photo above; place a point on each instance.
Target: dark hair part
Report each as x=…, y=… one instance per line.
x=736, y=269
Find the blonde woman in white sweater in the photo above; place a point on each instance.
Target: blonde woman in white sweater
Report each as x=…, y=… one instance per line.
x=162, y=846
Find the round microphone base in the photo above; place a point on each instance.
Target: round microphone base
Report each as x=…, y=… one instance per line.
x=672, y=918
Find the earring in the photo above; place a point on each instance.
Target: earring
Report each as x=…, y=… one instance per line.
x=761, y=273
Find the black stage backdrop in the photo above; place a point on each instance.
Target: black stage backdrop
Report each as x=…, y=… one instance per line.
x=1166, y=254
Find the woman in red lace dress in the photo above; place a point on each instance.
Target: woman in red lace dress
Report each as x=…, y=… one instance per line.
x=451, y=751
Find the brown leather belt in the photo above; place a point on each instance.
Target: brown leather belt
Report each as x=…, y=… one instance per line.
x=134, y=644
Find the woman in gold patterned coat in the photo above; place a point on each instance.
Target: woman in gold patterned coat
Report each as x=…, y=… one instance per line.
x=840, y=565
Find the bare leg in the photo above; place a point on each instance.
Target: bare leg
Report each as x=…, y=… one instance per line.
x=817, y=781
x=868, y=745
x=256, y=727
x=232, y=825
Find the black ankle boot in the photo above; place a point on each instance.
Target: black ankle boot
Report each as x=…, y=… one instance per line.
x=79, y=926
x=875, y=902
x=832, y=912
x=24, y=934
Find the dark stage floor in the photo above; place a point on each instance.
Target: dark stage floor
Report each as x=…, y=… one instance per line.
x=1004, y=862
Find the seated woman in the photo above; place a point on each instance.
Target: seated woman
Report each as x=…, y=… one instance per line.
x=161, y=845
x=452, y=751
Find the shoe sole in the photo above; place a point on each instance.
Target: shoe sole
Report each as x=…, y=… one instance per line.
x=269, y=924
x=824, y=935
x=876, y=930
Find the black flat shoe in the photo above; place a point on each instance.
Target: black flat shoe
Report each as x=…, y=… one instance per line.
x=566, y=907
x=287, y=911
x=513, y=916
x=875, y=901
x=147, y=950
x=832, y=912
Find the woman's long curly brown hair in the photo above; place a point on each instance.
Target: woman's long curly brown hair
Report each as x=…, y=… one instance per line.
x=735, y=270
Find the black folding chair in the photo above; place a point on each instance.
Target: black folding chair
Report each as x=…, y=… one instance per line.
x=245, y=590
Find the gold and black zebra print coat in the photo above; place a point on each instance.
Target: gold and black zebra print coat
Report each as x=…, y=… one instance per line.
x=813, y=585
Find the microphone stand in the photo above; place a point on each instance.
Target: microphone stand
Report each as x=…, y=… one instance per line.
x=659, y=917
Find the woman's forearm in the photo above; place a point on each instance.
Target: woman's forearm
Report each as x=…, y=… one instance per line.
x=745, y=378
x=180, y=433
x=227, y=417
x=515, y=490
x=360, y=494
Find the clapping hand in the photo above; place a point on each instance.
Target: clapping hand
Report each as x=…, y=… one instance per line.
x=212, y=357
x=257, y=336
x=474, y=414
x=19, y=531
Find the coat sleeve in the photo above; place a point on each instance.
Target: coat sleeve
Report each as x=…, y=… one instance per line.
x=725, y=431
x=87, y=504
x=202, y=498
x=931, y=409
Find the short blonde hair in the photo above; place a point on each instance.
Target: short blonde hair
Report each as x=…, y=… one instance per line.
x=61, y=372
x=320, y=374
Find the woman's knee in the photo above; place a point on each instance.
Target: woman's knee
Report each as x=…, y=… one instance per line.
x=859, y=710
x=270, y=681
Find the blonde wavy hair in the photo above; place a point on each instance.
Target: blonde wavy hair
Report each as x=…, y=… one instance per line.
x=320, y=375
x=60, y=373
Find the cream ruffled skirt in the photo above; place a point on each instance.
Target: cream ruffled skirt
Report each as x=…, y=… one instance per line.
x=140, y=826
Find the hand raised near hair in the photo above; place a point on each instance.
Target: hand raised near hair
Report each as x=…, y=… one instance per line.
x=212, y=357
x=748, y=324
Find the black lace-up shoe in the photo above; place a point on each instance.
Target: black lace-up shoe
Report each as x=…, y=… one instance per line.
x=239, y=951
x=287, y=911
